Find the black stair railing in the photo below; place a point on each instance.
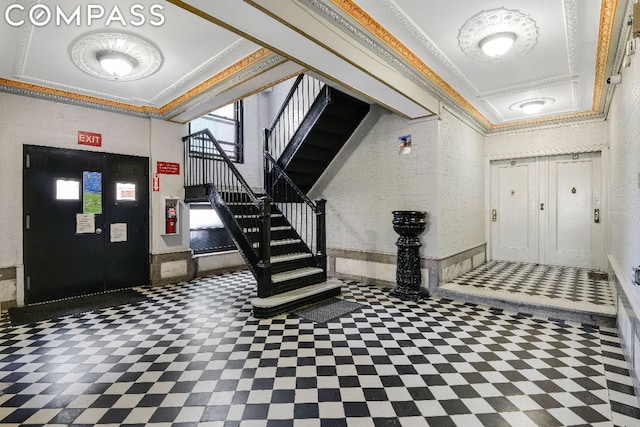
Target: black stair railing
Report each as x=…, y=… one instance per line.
x=305, y=216
x=293, y=111
x=242, y=211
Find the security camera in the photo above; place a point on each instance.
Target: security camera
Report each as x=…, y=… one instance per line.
x=615, y=79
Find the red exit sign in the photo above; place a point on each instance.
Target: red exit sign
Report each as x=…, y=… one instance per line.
x=89, y=138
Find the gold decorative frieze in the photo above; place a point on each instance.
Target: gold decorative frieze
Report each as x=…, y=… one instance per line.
x=608, y=7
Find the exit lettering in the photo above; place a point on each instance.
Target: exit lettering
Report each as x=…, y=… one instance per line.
x=89, y=138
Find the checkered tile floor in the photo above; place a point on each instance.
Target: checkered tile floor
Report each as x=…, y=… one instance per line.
x=563, y=287
x=192, y=354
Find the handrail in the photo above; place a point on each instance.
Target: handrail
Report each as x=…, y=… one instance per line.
x=294, y=109
x=282, y=174
x=305, y=216
x=283, y=107
x=225, y=157
x=208, y=165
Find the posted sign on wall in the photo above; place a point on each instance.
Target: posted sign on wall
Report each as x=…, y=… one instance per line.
x=89, y=138
x=168, y=168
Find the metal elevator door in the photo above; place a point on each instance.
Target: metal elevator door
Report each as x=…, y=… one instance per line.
x=547, y=210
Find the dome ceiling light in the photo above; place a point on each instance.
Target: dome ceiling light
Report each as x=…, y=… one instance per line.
x=116, y=56
x=116, y=63
x=531, y=106
x=498, y=35
x=497, y=44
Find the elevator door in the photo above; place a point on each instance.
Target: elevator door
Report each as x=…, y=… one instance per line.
x=514, y=229
x=546, y=210
x=85, y=222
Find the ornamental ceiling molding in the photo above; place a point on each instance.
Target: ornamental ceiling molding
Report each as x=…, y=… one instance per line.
x=545, y=83
x=571, y=21
x=86, y=50
x=426, y=42
x=607, y=16
x=223, y=82
x=371, y=44
x=65, y=97
x=204, y=69
x=502, y=20
x=256, y=57
x=373, y=27
x=253, y=64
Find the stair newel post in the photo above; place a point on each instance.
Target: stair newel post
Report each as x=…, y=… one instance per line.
x=264, y=265
x=321, y=235
x=265, y=147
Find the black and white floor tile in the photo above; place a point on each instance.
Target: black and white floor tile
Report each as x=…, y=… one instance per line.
x=192, y=355
x=564, y=287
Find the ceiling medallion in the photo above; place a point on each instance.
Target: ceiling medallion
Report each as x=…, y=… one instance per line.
x=531, y=106
x=89, y=52
x=486, y=25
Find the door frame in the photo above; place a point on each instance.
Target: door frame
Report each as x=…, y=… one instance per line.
x=106, y=158
x=601, y=250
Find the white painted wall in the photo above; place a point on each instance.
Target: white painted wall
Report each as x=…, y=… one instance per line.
x=254, y=117
x=624, y=208
x=165, y=145
x=461, y=189
x=548, y=140
x=369, y=179
x=624, y=204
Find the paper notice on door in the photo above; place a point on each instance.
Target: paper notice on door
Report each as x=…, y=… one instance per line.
x=119, y=232
x=85, y=223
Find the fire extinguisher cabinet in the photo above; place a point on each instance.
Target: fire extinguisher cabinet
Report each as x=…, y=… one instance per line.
x=171, y=215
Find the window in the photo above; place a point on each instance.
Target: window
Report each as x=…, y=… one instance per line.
x=125, y=191
x=67, y=189
x=225, y=125
x=207, y=232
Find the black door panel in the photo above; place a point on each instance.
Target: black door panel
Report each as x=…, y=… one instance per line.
x=62, y=261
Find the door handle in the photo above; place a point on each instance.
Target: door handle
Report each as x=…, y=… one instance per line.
x=541, y=206
x=494, y=215
x=596, y=216
x=98, y=230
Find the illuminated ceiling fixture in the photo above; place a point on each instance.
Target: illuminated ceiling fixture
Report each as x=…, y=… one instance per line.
x=116, y=56
x=498, y=35
x=116, y=63
x=497, y=44
x=531, y=106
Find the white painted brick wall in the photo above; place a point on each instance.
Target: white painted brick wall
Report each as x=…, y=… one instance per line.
x=369, y=179
x=548, y=140
x=624, y=203
x=461, y=188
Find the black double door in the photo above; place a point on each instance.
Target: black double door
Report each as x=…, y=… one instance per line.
x=86, y=222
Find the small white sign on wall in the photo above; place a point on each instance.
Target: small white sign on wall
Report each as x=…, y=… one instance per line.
x=119, y=232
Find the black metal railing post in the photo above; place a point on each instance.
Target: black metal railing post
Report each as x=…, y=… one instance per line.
x=321, y=234
x=264, y=264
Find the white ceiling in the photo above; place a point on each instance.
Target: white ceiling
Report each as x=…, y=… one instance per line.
x=403, y=54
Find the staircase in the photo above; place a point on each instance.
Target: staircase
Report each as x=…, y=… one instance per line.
x=330, y=121
x=279, y=231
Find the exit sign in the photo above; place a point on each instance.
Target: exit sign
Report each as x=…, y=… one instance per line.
x=89, y=138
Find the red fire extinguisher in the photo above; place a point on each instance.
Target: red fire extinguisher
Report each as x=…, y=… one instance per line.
x=172, y=220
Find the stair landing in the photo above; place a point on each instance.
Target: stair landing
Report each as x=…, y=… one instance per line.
x=281, y=303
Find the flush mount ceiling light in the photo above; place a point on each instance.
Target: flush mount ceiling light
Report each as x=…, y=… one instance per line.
x=497, y=44
x=116, y=56
x=116, y=63
x=498, y=35
x=531, y=106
